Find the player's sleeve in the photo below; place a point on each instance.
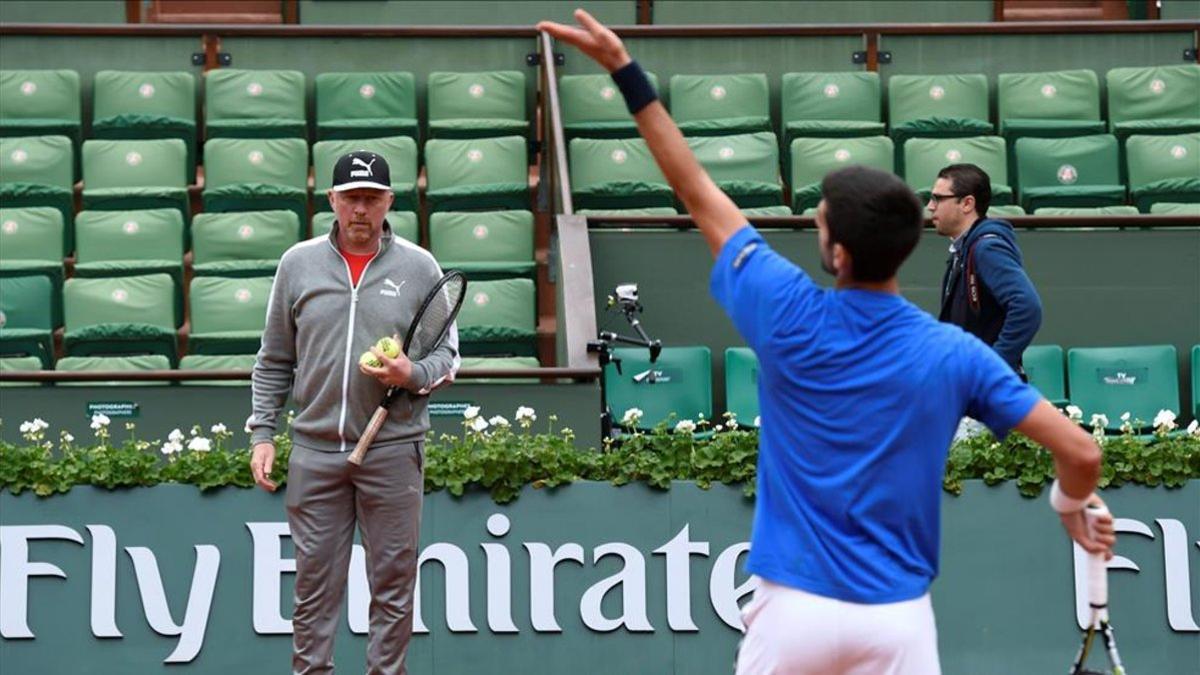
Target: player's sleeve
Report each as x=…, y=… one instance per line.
x=755, y=285
x=271, y=378
x=997, y=397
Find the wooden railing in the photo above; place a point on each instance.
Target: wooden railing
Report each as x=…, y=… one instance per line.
x=809, y=222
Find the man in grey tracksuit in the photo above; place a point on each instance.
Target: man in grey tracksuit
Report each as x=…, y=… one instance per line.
x=332, y=299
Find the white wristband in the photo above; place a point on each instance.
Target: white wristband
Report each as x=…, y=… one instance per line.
x=1059, y=501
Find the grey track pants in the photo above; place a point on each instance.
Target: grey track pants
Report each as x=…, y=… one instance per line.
x=326, y=497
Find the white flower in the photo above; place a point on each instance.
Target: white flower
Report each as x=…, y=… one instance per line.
x=1194, y=428
x=40, y=423
x=498, y=421
x=685, y=427
x=478, y=423
x=1075, y=413
x=758, y=420
x=27, y=427
x=526, y=413
x=171, y=447
x=100, y=420
x=471, y=412
x=631, y=417
x=1099, y=421
x=176, y=436
x=200, y=444
x=1125, y=417
x=218, y=429
x=67, y=438
x=1165, y=420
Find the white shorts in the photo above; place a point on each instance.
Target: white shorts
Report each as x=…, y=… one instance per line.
x=791, y=632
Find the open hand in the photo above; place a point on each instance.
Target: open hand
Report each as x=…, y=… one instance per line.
x=394, y=372
x=594, y=39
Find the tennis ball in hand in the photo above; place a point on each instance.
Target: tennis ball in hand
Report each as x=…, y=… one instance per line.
x=389, y=347
x=369, y=359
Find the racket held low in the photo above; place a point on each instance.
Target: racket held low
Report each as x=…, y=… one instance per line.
x=368, y=436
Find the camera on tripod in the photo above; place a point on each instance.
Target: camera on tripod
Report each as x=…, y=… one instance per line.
x=625, y=299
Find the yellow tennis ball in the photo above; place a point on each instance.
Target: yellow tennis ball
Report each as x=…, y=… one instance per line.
x=369, y=359
x=389, y=347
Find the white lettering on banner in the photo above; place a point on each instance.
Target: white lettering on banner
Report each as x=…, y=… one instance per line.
x=154, y=599
x=631, y=579
x=458, y=598
x=724, y=596
x=358, y=592
x=16, y=568
x=104, y=582
x=499, y=578
x=541, y=582
x=678, y=552
x=268, y=566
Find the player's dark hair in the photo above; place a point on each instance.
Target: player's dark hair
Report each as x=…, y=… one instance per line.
x=968, y=179
x=875, y=216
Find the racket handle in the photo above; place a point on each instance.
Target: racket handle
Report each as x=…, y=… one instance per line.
x=1097, y=565
x=368, y=436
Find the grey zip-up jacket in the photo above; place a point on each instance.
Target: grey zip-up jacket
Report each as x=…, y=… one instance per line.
x=317, y=326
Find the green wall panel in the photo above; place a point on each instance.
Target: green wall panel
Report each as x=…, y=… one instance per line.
x=62, y=11
x=1098, y=288
x=1179, y=9
x=459, y=12
x=841, y=11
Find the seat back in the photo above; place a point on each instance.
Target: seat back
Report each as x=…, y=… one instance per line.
x=1084, y=160
x=714, y=97
x=270, y=161
x=485, y=95
x=1155, y=92
x=682, y=384
x=484, y=236
x=925, y=157
x=44, y=160
x=40, y=95
x=403, y=223
x=479, y=161
x=219, y=305
x=132, y=164
x=595, y=162
x=590, y=99
x=154, y=234
x=914, y=97
x=32, y=233
x=813, y=158
x=248, y=235
x=26, y=302
x=1114, y=380
x=741, y=157
x=741, y=384
x=831, y=96
x=166, y=94
x=1043, y=366
x=1058, y=95
x=502, y=310
x=346, y=96
x=147, y=299
x=236, y=94
x=1155, y=158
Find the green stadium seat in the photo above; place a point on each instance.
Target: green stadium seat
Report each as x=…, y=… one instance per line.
x=938, y=106
x=499, y=362
x=1080, y=171
x=477, y=105
x=813, y=158
x=1163, y=169
x=21, y=364
x=31, y=244
x=135, y=175
x=247, y=244
x=217, y=362
x=477, y=174
x=718, y=105
x=366, y=105
x=130, y=243
x=1043, y=366
x=741, y=384
x=40, y=103
x=1175, y=209
x=1006, y=210
x=830, y=105
x=498, y=318
x=38, y=171
x=1055, y=104
x=27, y=318
x=115, y=363
x=1154, y=100
x=1087, y=211
x=146, y=106
x=744, y=166
x=925, y=157
x=650, y=211
x=616, y=174
x=227, y=315
x=256, y=175
x=403, y=223
x=682, y=386
x=483, y=244
x=253, y=104
x=1115, y=380
x=592, y=107
x=779, y=210
x=121, y=316
x=400, y=153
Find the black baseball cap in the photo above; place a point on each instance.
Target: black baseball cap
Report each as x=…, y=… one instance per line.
x=361, y=169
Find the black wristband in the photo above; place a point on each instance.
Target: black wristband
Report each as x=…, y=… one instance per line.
x=634, y=86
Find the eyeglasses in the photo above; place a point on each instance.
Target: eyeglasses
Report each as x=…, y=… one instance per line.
x=938, y=199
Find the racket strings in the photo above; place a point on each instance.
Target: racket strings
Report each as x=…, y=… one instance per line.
x=434, y=321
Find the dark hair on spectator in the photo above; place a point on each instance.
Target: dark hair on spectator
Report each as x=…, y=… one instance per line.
x=875, y=216
x=969, y=179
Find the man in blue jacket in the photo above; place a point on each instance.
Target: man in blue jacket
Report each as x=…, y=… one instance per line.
x=985, y=289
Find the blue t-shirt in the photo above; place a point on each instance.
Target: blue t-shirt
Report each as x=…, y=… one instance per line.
x=860, y=394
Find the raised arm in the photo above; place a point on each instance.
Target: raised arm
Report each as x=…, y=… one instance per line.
x=712, y=210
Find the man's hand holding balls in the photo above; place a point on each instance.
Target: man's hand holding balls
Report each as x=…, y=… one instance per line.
x=386, y=363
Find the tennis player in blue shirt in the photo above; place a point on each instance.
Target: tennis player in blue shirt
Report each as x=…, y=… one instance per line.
x=861, y=392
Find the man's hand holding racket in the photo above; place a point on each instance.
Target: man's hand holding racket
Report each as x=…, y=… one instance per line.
x=394, y=372
x=1096, y=534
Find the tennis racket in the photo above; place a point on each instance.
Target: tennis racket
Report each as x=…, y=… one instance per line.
x=1097, y=578
x=427, y=331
